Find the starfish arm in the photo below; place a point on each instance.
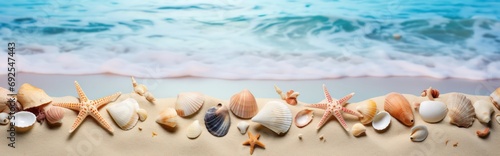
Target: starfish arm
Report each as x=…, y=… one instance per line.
x=260, y=144
x=246, y=142
x=105, y=100
x=325, y=118
x=79, y=119
x=81, y=94
x=352, y=112
x=327, y=94
x=339, y=117
x=72, y=106
x=344, y=100
x=318, y=105
x=252, y=146
x=94, y=113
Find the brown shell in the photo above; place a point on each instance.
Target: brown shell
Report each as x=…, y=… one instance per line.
x=30, y=96
x=460, y=110
x=243, y=104
x=434, y=93
x=399, y=107
x=54, y=114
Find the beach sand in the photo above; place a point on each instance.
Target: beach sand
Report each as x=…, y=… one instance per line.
x=91, y=139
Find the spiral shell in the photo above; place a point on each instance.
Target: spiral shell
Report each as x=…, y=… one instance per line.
x=243, y=104
x=54, y=114
x=217, y=120
x=460, y=110
x=189, y=103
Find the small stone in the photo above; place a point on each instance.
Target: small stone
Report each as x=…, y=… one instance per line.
x=154, y=134
x=300, y=136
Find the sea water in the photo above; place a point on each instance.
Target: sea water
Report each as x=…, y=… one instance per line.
x=254, y=39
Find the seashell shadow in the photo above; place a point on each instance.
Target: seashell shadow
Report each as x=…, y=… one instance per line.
x=54, y=126
x=169, y=129
x=263, y=130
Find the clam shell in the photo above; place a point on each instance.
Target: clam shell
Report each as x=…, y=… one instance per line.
x=368, y=109
x=399, y=107
x=243, y=104
x=483, y=110
x=30, y=96
x=243, y=126
x=23, y=120
x=124, y=113
x=143, y=114
x=381, y=121
x=358, y=129
x=54, y=114
x=188, y=103
x=4, y=118
x=276, y=116
x=217, y=120
x=460, y=110
x=168, y=117
x=193, y=130
x=418, y=133
x=303, y=118
x=432, y=111
x=495, y=98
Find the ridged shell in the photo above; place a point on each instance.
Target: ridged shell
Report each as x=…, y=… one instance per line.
x=368, y=109
x=399, y=107
x=243, y=104
x=30, y=96
x=495, y=98
x=194, y=130
x=483, y=110
x=460, y=110
x=381, y=120
x=432, y=111
x=143, y=114
x=188, y=103
x=168, y=117
x=4, y=118
x=303, y=118
x=276, y=116
x=358, y=129
x=217, y=120
x=124, y=113
x=243, y=126
x=54, y=114
x=418, y=133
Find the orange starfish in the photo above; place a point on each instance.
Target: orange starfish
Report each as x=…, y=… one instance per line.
x=252, y=141
x=88, y=107
x=334, y=107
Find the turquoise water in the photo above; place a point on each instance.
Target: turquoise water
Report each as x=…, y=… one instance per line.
x=259, y=39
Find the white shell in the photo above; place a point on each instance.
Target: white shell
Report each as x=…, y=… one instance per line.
x=243, y=126
x=381, y=121
x=168, y=117
x=432, y=111
x=418, y=133
x=143, y=114
x=460, y=110
x=194, y=130
x=140, y=89
x=24, y=120
x=303, y=118
x=149, y=96
x=188, y=103
x=495, y=98
x=276, y=116
x=358, y=129
x=4, y=118
x=124, y=113
x=483, y=110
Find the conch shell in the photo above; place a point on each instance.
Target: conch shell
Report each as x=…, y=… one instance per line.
x=460, y=110
x=399, y=107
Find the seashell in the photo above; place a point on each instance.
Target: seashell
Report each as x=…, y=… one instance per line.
x=399, y=107
x=4, y=98
x=23, y=120
x=483, y=110
x=495, y=98
x=280, y=92
x=141, y=89
x=143, y=114
x=460, y=110
x=381, y=121
x=168, y=117
x=54, y=114
x=188, y=103
x=217, y=120
x=4, y=118
x=291, y=97
x=124, y=113
x=149, y=97
x=243, y=104
x=30, y=96
x=497, y=117
x=358, y=129
x=430, y=93
x=368, y=109
x=303, y=118
x=193, y=130
x=276, y=116
x=134, y=83
x=418, y=133
x=432, y=111
x=243, y=126
x=484, y=133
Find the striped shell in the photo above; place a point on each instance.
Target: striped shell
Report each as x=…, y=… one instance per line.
x=217, y=120
x=124, y=113
x=276, y=116
x=460, y=110
x=54, y=114
x=188, y=103
x=399, y=107
x=368, y=109
x=243, y=104
x=168, y=117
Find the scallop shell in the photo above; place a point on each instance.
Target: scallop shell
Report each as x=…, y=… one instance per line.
x=483, y=110
x=460, y=110
x=381, y=121
x=399, y=107
x=418, y=133
x=432, y=111
x=368, y=109
x=30, y=96
x=243, y=126
x=188, y=103
x=4, y=118
x=143, y=114
x=217, y=120
x=358, y=129
x=54, y=114
x=243, y=104
x=125, y=113
x=495, y=98
x=193, y=130
x=168, y=117
x=23, y=120
x=303, y=118
x=276, y=116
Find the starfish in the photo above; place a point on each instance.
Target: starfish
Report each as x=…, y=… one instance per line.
x=88, y=107
x=252, y=141
x=334, y=107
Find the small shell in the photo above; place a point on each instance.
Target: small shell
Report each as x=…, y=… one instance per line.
x=124, y=113
x=54, y=114
x=149, y=97
x=276, y=116
x=193, y=130
x=368, y=109
x=280, y=92
x=243, y=126
x=188, y=103
x=483, y=110
x=460, y=110
x=418, y=133
x=495, y=98
x=4, y=98
x=430, y=93
x=291, y=97
x=134, y=83
x=4, y=118
x=358, y=129
x=484, y=133
x=381, y=121
x=497, y=117
x=217, y=120
x=303, y=118
x=243, y=104
x=399, y=107
x=30, y=96
x=141, y=89
x=24, y=121
x=168, y=117
x=143, y=114
x=432, y=111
